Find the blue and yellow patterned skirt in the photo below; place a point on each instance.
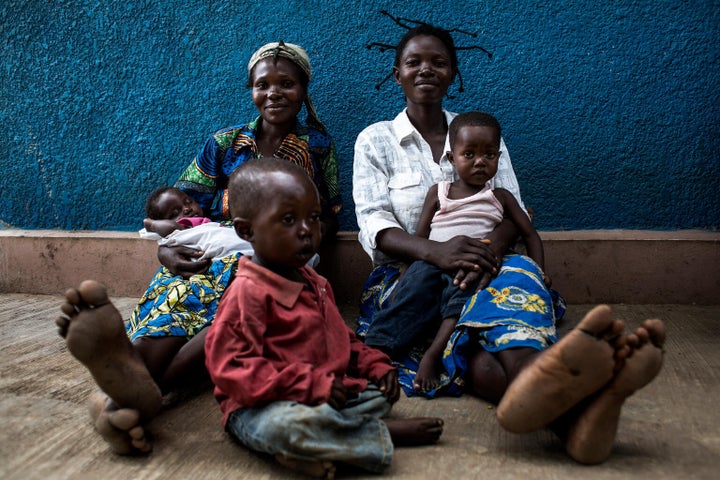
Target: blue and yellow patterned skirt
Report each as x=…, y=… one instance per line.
x=178, y=307
x=515, y=310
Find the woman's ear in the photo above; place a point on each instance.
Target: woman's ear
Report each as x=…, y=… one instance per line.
x=243, y=228
x=396, y=75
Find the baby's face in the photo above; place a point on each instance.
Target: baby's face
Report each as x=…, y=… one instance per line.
x=475, y=153
x=175, y=204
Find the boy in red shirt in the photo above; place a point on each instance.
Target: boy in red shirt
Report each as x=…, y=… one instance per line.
x=291, y=378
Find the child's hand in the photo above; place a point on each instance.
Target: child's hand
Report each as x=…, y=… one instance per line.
x=547, y=280
x=162, y=227
x=338, y=395
x=390, y=387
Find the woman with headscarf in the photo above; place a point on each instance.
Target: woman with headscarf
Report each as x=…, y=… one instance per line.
x=166, y=331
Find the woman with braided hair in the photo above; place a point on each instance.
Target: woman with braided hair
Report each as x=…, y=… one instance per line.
x=396, y=162
x=163, y=344
x=576, y=386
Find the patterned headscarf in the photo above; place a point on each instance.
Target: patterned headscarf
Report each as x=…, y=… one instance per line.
x=299, y=57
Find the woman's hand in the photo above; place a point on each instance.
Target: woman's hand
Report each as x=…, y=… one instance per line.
x=469, y=257
x=496, y=243
x=481, y=276
x=389, y=386
x=182, y=261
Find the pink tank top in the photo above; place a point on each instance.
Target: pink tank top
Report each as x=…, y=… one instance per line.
x=193, y=221
x=475, y=216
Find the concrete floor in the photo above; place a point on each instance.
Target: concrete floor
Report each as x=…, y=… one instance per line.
x=669, y=430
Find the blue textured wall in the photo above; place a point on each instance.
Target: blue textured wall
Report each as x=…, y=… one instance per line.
x=611, y=110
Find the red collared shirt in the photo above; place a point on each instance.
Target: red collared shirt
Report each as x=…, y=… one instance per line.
x=275, y=339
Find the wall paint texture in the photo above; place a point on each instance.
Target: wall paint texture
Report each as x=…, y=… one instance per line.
x=610, y=110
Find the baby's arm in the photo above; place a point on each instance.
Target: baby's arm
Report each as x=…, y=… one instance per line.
x=430, y=206
x=162, y=227
x=517, y=215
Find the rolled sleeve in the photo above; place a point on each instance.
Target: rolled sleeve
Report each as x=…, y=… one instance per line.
x=373, y=208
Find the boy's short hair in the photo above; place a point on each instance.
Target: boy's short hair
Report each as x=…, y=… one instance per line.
x=151, y=208
x=473, y=119
x=247, y=188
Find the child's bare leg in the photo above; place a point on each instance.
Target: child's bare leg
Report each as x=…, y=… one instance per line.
x=590, y=439
x=94, y=333
x=409, y=432
x=428, y=374
x=560, y=377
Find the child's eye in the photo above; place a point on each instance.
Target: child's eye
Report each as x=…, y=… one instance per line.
x=315, y=217
x=468, y=154
x=288, y=219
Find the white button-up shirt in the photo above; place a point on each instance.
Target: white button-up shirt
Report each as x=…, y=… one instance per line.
x=393, y=169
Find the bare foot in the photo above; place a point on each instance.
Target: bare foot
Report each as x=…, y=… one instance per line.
x=580, y=364
x=591, y=438
x=95, y=334
x=317, y=469
x=120, y=428
x=428, y=373
x=410, y=432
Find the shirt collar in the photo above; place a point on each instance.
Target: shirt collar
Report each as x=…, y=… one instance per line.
x=247, y=139
x=299, y=128
x=403, y=128
x=284, y=291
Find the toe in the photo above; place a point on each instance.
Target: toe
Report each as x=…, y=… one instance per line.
x=656, y=329
x=72, y=296
x=68, y=309
x=93, y=293
x=597, y=321
x=124, y=418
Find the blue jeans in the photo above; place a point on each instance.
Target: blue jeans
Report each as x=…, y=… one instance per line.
x=424, y=296
x=354, y=435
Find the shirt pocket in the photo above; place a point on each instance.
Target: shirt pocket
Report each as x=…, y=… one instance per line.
x=401, y=181
x=407, y=195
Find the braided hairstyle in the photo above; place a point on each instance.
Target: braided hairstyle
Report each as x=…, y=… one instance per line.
x=423, y=28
